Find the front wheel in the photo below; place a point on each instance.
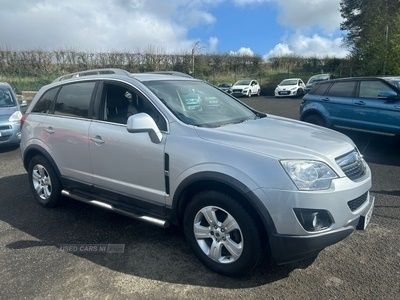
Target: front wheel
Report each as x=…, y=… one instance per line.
x=222, y=233
x=315, y=119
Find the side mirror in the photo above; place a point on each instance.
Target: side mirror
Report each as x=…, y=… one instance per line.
x=388, y=95
x=142, y=122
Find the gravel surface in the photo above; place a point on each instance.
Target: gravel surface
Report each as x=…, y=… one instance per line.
x=157, y=263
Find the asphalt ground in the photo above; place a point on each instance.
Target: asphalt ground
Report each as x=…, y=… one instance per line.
x=157, y=263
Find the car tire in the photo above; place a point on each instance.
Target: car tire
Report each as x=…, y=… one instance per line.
x=315, y=119
x=249, y=94
x=211, y=244
x=44, y=182
x=259, y=93
x=299, y=93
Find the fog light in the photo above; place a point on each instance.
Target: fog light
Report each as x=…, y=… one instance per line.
x=313, y=219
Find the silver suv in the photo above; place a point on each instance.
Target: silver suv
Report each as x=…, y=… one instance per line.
x=170, y=149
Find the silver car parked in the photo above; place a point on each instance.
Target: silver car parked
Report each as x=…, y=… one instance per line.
x=169, y=149
x=10, y=116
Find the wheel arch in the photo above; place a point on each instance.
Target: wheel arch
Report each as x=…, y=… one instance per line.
x=224, y=183
x=314, y=111
x=34, y=150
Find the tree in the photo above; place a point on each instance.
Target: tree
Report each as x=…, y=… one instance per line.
x=373, y=35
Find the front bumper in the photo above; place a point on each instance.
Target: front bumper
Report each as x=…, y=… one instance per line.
x=285, y=93
x=289, y=248
x=10, y=133
x=290, y=241
x=240, y=93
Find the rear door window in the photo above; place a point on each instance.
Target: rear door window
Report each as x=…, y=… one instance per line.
x=74, y=99
x=342, y=89
x=46, y=101
x=372, y=88
x=320, y=89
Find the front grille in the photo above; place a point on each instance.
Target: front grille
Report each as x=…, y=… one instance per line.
x=352, y=165
x=4, y=138
x=5, y=127
x=356, y=203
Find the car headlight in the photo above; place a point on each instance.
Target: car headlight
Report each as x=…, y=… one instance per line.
x=245, y=89
x=294, y=88
x=309, y=175
x=15, y=117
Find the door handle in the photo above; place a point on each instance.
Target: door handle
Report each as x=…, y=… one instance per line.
x=326, y=99
x=359, y=102
x=97, y=139
x=49, y=130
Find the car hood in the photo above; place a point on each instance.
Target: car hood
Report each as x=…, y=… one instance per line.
x=281, y=138
x=287, y=87
x=6, y=112
x=239, y=86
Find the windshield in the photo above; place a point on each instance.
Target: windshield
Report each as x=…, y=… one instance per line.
x=243, y=82
x=197, y=103
x=289, y=82
x=6, y=98
x=317, y=78
x=396, y=82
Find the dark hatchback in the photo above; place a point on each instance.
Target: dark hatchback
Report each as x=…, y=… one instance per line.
x=362, y=104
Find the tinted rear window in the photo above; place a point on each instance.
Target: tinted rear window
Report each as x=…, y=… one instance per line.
x=320, y=88
x=74, y=99
x=372, y=89
x=342, y=89
x=45, y=102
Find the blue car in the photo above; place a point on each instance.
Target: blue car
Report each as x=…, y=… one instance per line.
x=362, y=104
x=10, y=116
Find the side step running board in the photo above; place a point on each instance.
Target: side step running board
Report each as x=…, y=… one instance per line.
x=148, y=219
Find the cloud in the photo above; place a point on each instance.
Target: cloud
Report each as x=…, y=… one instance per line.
x=301, y=14
x=102, y=25
x=243, y=51
x=213, y=44
x=314, y=45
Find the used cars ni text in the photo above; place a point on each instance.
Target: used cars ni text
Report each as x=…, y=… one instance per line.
x=168, y=149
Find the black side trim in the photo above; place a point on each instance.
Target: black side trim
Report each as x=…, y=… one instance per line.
x=166, y=173
x=234, y=184
x=33, y=150
x=117, y=200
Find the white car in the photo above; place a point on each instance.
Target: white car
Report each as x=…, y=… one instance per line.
x=290, y=87
x=246, y=87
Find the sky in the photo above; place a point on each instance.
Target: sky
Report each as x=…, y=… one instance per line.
x=263, y=27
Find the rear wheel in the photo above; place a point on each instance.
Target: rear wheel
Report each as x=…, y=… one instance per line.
x=45, y=185
x=315, y=119
x=222, y=233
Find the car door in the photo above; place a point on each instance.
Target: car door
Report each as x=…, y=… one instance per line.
x=375, y=113
x=338, y=102
x=128, y=164
x=65, y=130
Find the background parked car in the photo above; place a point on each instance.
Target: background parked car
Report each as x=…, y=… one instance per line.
x=317, y=78
x=10, y=116
x=246, y=87
x=362, y=104
x=290, y=87
x=394, y=80
x=225, y=87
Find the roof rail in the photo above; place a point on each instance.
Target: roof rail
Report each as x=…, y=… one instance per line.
x=174, y=73
x=93, y=72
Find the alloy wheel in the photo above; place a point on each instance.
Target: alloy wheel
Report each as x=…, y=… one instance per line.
x=218, y=234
